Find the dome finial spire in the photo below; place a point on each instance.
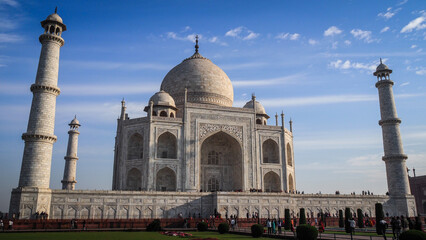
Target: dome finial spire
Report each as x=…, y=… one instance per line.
x=380, y=60
x=56, y=9
x=196, y=43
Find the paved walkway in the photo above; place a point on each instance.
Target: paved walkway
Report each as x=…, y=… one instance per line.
x=325, y=236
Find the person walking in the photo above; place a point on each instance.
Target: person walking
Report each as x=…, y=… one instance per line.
x=269, y=226
x=10, y=224
x=1, y=225
x=383, y=226
x=397, y=228
x=279, y=226
x=273, y=226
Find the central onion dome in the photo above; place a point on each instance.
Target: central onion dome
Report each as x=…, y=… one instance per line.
x=205, y=82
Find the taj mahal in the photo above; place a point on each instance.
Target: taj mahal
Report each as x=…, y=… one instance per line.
x=193, y=153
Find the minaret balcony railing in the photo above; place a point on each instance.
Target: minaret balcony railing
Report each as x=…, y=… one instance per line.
x=43, y=88
x=51, y=37
x=37, y=137
x=383, y=82
x=390, y=121
x=394, y=157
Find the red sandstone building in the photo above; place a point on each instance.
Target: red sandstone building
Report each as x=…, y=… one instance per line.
x=418, y=189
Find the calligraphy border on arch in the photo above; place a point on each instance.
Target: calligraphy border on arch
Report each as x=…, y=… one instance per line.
x=207, y=128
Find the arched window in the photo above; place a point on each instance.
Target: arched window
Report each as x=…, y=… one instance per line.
x=172, y=115
x=57, y=31
x=258, y=121
x=52, y=30
x=134, y=178
x=166, y=146
x=135, y=147
x=166, y=180
x=272, y=182
x=264, y=122
x=154, y=113
x=213, y=158
x=213, y=185
x=163, y=114
x=290, y=183
x=270, y=151
x=289, y=155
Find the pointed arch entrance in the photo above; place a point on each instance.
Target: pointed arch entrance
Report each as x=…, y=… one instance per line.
x=221, y=163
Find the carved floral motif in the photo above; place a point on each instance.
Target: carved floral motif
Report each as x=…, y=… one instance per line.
x=206, y=128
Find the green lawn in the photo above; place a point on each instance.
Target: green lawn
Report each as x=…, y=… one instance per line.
x=114, y=236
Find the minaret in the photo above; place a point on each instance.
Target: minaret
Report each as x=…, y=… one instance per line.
x=394, y=156
x=39, y=138
x=71, y=158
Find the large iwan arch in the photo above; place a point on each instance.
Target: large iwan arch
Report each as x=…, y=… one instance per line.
x=166, y=146
x=228, y=170
x=166, y=180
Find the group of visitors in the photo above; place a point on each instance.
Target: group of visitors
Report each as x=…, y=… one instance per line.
x=10, y=226
x=42, y=215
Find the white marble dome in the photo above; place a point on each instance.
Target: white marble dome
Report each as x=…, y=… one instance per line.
x=205, y=82
x=162, y=98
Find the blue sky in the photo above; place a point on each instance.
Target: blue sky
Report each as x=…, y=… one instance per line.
x=312, y=59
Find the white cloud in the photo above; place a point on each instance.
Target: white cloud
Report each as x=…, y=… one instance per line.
x=9, y=38
x=242, y=33
x=416, y=24
x=389, y=13
x=251, y=35
x=344, y=65
x=114, y=65
x=325, y=99
x=11, y=3
x=385, y=29
x=404, y=84
x=421, y=72
x=189, y=37
x=363, y=35
x=267, y=82
x=347, y=42
x=313, y=42
x=402, y=2
x=234, y=32
x=334, y=44
x=289, y=36
x=331, y=31
x=413, y=46
x=186, y=29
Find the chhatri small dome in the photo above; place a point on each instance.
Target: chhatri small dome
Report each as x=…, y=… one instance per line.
x=54, y=17
x=259, y=108
x=75, y=122
x=162, y=98
x=382, y=68
x=205, y=82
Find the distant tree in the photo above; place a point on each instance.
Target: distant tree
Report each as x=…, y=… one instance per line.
x=302, y=219
x=287, y=220
x=379, y=216
x=347, y=217
x=341, y=221
x=360, y=215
